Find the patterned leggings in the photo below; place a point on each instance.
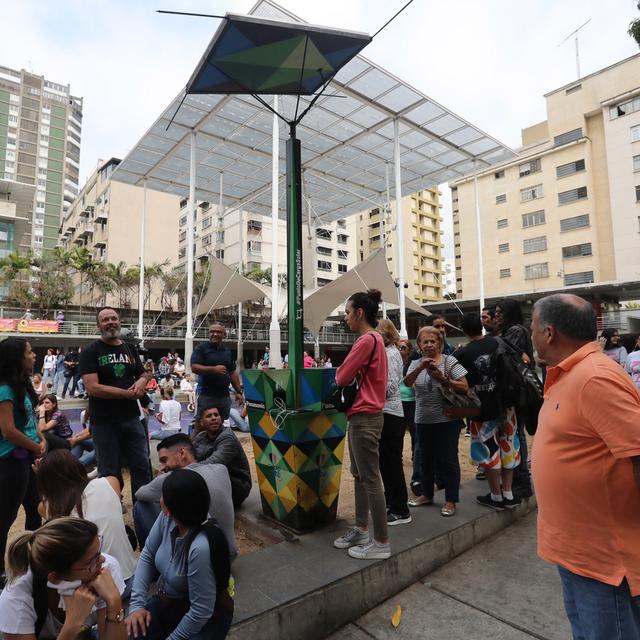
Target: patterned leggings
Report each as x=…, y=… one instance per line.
x=495, y=443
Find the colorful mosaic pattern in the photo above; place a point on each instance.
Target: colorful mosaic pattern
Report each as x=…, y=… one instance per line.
x=298, y=452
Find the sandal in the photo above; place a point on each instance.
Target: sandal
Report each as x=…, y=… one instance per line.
x=449, y=509
x=419, y=501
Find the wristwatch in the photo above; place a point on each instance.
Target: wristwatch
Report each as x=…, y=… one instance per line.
x=117, y=618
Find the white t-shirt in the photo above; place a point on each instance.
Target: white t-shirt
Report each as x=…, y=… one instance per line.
x=49, y=362
x=18, y=614
x=170, y=410
x=632, y=367
x=185, y=385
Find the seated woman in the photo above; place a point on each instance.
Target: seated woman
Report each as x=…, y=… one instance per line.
x=82, y=445
x=168, y=416
x=65, y=490
x=39, y=386
x=53, y=424
x=186, y=385
x=191, y=556
x=57, y=589
x=238, y=418
x=214, y=442
x=152, y=385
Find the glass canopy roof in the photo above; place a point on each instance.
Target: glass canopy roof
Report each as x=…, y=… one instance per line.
x=346, y=138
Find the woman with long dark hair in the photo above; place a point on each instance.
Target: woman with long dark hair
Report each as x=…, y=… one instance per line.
x=61, y=582
x=367, y=361
x=66, y=490
x=190, y=554
x=54, y=424
x=610, y=339
x=20, y=441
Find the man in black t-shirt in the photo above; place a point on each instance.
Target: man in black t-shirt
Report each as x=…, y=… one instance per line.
x=495, y=446
x=115, y=380
x=216, y=367
x=71, y=372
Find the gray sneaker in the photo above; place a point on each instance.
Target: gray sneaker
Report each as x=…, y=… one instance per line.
x=371, y=551
x=353, y=536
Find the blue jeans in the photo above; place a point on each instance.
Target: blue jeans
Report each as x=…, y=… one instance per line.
x=85, y=452
x=58, y=382
x=599, y=611
x=238, y=420
x=144, y=516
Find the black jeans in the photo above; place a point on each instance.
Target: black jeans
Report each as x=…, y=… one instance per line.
x=17, y=487
x=439, y=451
x=127, y=438
x=390, y=453
x=74, y=387
x=521, y=475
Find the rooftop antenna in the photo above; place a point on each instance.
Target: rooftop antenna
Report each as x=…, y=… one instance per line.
x=575, y=33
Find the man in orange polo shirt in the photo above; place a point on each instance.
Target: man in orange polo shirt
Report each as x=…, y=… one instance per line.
x=586, y=469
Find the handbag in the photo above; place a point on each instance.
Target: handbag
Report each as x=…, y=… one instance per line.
x=459, y=405
x=342, y=398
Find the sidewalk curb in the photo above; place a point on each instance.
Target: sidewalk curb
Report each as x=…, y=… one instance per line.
x=319, y=612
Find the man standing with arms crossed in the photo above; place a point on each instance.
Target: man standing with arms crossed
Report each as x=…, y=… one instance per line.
x=586, y=471
x=115, y=380
x=217, y=369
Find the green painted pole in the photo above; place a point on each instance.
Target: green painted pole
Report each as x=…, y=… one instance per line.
x=294, y=260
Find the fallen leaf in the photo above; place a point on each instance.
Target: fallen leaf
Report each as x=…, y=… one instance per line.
x=395, y=618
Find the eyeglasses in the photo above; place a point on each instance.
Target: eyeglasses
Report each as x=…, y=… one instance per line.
x=96, y=561
x=403, y=347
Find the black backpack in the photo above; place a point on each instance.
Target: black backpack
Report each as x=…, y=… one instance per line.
x=517, y=385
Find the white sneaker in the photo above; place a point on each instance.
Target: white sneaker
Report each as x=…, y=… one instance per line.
x=352, y=537
x=371, y=551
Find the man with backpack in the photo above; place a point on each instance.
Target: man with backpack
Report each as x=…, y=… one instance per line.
x=495, y=446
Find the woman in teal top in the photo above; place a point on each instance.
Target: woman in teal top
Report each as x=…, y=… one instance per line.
x=20, y=440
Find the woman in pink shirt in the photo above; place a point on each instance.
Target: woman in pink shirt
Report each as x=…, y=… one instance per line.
x=368, y=361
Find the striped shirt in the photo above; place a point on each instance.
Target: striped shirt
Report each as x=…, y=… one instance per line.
x=392, y=403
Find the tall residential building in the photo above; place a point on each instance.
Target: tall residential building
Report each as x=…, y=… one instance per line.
x=106, y=218
x=328, y=251
x=40, y=129
x=422, y=242
x=566, y=211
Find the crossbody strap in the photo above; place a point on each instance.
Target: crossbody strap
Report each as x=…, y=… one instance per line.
x=375, y=344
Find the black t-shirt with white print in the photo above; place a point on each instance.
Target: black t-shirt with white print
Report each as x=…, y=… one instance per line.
x=116, y=366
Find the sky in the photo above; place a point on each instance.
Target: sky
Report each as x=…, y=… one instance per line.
x=489, y=61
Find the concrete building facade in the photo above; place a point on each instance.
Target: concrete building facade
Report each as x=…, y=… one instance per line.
x=40, y=133
x=106, y=219
x=423, y=246
x=566, y=211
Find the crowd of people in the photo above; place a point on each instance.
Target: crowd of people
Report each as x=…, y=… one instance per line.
x=184, y=517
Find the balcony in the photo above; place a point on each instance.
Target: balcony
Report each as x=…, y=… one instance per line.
x=100, y=244
x=254, y=227
x=87, y=212
x=86, y=229
x=102, y=216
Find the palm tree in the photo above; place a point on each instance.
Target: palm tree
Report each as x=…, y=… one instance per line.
x=124, y=278
x=152, y=273
x=11, y=267
x=171, y=281
x=82, y=261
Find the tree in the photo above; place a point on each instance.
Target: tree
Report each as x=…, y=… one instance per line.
x=171, y=281
x=634, y=28
x=12, y=267
x=153, y=273
x=124, y=280
x=51, y=284
x=82, y=261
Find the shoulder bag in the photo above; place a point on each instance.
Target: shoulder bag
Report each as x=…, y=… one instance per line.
x=459, y=405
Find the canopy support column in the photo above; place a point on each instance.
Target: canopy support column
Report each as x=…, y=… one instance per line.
x=141, y=284
x=399, y=230
x=275, y=355
x=240, y=345
x=478, y=235
x=188, y=339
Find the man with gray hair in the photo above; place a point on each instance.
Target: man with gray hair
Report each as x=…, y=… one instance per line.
x=586, y=470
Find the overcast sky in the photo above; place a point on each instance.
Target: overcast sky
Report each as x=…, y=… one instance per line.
x=490, y=61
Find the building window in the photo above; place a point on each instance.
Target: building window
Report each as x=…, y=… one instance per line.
x=342, y=254
x=504, y=273
x=324, y=251
x=503, y=248
x=500, y=199
x=502, y=223
x=532, y=245
x=182, y=252
x=565, y=197
x=182, y=237
x=342, y=268
x=636, y=163
x=624, y=108
x=342, y=239
x=254, y=248
x=183, y=203
x=635, y=133
x=205, y=206
x=499, y=174
x=323, y=234
x=531, y=193
x=206, y=240
x=569, y=136
x=342, y=224
x=584, y=277
x=535, y=271
x=254, y=226
x=206, y=222
x=323, y=281
x=323, y=265
x=527, y=168
x=576, y=222
x=577, y=250
x=220, y=254
x=533, y=219
x=570, y=168
x=638, y=193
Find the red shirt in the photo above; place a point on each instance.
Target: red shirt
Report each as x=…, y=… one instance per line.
x=373, y=388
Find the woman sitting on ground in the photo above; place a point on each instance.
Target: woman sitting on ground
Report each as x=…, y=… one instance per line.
x=82, y=445
x=168, y=415
x=65, y=490
x=39, y=386
x=60, y=582
x=191, y=556
x=53, y=424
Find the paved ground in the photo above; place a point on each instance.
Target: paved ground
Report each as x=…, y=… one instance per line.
x=499, y=590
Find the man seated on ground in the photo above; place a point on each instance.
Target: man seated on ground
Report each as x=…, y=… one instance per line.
x=177, y=452
x=216, y=443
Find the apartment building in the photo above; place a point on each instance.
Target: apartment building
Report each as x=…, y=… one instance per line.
x=566, y=211
x=246, y=237
x=422, y=241
x=40, y=133
x=106, y=219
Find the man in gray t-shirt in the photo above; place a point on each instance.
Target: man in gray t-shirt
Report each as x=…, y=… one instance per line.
x=176, y=452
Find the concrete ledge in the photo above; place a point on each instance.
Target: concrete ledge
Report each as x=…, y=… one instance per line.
x=304, y=588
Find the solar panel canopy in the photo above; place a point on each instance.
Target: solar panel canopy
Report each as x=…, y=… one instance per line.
x=346, y=138
x=251, y=55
